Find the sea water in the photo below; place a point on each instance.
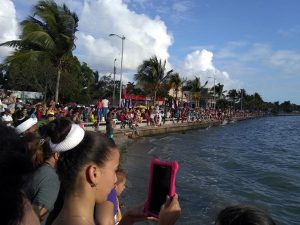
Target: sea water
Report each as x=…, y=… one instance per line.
x=253, y=162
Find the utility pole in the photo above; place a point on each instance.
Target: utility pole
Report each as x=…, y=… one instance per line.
x=241, y=99
x=121, y=85
x=114, y=92
x=214, y=91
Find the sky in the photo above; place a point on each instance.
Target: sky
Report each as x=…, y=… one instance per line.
x=253, y=44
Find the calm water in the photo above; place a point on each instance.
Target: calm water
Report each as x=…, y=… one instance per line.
x=255, y=162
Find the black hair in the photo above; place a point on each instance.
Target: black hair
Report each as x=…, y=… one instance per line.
x=15, y=168
x=93, y=148
x=245, y=215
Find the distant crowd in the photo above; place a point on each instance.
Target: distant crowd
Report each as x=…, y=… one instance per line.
x=13, y=110
x=57, y=173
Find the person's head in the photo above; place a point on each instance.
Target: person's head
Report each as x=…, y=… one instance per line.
x=25, y=125
x=51, y=116
x=40, y=152
x=243, y=214
x=15, y=168
x=7, y=111
x=121, y=181
x=87, y=162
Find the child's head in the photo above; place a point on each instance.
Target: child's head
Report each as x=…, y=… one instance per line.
x=243, y=214
x=121, y=181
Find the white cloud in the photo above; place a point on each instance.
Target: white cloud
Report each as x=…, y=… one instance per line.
x=285, y=61
x=264, y=70
x=8, y=25
x=145, y=37
x=200, y=63
x=200, y=60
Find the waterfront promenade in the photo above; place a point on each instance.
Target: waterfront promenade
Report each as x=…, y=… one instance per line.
x=121, y=136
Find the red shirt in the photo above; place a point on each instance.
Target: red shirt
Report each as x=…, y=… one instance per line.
x=99, y=105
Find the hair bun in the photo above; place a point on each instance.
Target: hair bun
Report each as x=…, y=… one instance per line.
x=58, y=129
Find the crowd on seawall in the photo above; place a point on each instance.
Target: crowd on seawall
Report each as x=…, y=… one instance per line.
x=14, y=111
x=53, y=171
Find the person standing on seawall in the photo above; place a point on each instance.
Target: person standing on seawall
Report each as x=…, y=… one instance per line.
x=105, y=103
x=100, y=110
x=110, y=124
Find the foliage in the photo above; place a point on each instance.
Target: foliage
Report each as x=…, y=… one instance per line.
x=197, y=91
x=49, y=34
x=176, y=83
x=152, y=75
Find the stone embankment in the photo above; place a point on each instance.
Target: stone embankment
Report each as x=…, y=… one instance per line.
x=122, y=136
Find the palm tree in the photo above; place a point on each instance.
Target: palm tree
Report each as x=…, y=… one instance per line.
x=152, y=74
x=49, y=33
x=176, y=83
x=196, y=89
x=219, y=90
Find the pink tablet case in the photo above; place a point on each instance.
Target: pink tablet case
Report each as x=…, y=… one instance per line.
x=174, y=168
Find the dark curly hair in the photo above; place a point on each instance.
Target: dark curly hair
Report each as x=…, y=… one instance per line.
x=243, y=214
x=93, y=148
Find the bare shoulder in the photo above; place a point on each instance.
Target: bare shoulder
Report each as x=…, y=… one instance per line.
x=78, y=220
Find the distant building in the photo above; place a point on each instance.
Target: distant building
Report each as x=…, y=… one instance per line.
x=26, y=95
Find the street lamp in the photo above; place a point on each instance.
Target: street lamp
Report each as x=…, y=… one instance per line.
x=214, y=91
x=114, y=92
x=122, y=38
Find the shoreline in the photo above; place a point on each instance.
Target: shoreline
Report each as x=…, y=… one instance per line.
x=123, y=136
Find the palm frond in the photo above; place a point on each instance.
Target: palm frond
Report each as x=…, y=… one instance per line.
x=20, y=56
x=40, y=38
x=13, y=44
x=31, y=24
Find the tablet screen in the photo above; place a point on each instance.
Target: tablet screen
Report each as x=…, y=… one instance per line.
x=160, y=187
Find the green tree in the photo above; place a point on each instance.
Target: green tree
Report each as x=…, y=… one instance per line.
x=219, y=90
x=152, y=75
x=32, y=75
x=197, y=90
x=176, y=83
x=104, y=88
x=286, y=106
x=232, y=96
x=49, y=33
x=132, y=89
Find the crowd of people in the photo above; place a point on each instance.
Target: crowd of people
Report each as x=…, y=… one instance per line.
x=12, y=109
x=57, y=173
x=60, y=179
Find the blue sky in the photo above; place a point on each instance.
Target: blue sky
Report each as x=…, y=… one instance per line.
x=244, y=44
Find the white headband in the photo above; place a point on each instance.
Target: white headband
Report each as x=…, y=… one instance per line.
x=73, y=138
x=26, y=125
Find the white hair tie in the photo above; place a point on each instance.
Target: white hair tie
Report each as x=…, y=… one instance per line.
x=26, y=125
x=73, y=138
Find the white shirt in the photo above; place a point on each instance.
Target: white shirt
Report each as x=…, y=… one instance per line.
x=105, y=103
x=7, y=118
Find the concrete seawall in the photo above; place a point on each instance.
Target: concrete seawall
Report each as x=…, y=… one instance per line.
x=123, y=136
